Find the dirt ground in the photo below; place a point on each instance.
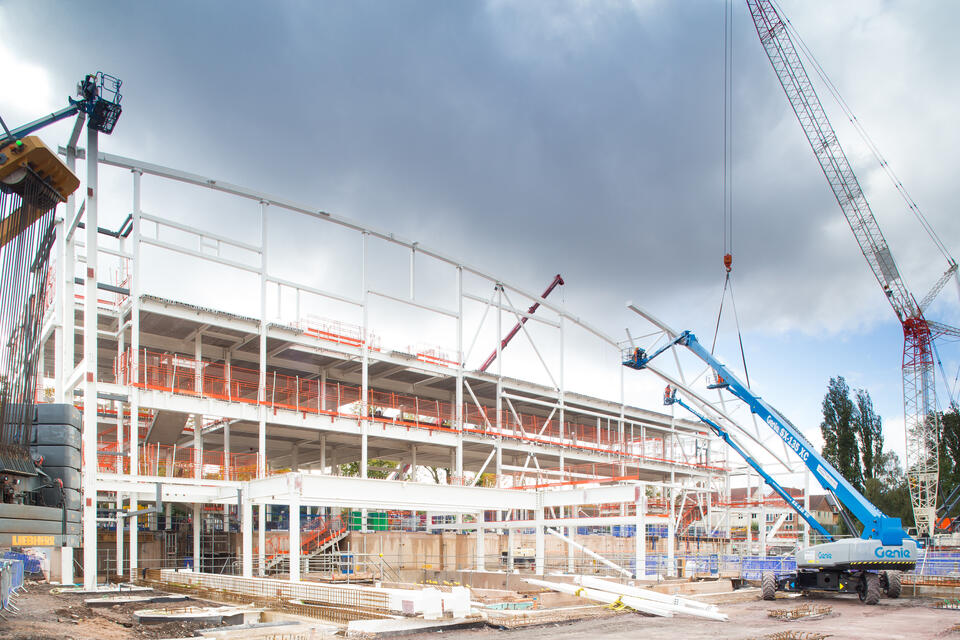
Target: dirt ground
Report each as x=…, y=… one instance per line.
x=850, y=619
x=50, y=616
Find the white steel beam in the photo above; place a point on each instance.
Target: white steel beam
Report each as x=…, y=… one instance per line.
x=216, y=185
x=341, y=491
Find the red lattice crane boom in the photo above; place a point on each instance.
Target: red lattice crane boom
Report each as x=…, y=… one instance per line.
x=919, y=394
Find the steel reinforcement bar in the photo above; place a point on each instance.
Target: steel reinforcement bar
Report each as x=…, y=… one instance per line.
x=324, y=602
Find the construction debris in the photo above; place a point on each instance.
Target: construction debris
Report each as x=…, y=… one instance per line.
x=624, y=597
x=796, y=635
x=684, y=604
x=150, y=599
x=807, y=611
x=208, y=615
x=947, y=604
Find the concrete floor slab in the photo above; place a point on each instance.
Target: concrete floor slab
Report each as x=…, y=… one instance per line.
x=146, y=599
x=394, y=628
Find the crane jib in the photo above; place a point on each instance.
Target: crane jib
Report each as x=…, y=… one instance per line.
x=920, y=414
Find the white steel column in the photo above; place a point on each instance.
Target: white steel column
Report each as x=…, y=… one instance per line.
x=364, y=371
x=246, y=528
x=458, y=417
x=640, y=535
x=133, y=390
x=121, y=523
x=323, y=390
x=197, y=474
x=510, y=542
x=323, y=454
x=89, y=429
x=262, y=433
x=480, y=543
x=364, y=374
x=727, y=527
x=262, y=540
x=262, y=448
x=763, y=518
x=671, y=533
x=226, y=467
x=560, y=401
x=538, y=529
x=294, y=537
x=64, y=338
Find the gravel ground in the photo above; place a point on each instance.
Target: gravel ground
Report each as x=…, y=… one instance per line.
x=47, y=616
x=901, y=618
x=51, y=616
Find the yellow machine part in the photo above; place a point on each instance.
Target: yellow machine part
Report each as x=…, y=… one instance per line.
x=29, y=161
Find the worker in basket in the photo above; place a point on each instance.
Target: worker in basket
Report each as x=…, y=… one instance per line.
x=669, y=395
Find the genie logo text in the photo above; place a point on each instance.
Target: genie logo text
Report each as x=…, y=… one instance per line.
x=891, y=554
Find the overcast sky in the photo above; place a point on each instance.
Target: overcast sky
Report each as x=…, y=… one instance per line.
x=528, y=139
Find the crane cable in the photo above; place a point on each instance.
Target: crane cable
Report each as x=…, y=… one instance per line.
x=862, y=132
x=951, y=394
x=728, y=183
x=727, y=153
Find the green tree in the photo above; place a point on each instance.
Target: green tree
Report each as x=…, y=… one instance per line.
x=949, y=452
x=869, y=429
x=440, y=475
x=888, y=489
x=376, y=468
x=838, y=428
x=853, y=443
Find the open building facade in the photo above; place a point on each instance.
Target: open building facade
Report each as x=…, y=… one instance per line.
x=275, y=438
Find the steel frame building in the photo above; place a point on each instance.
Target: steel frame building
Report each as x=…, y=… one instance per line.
x=251, y=410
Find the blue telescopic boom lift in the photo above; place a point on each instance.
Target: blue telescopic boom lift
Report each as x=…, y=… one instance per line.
x=868, y=564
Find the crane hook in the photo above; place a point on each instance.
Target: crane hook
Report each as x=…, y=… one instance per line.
x=728, y=261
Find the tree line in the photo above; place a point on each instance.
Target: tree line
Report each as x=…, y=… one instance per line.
x=853, y=443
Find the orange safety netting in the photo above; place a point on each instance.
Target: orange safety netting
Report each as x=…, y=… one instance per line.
x=171, y=461
x=175, y=373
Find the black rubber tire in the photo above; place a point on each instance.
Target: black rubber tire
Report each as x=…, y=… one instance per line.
x=768, y=586
x=893, y=584
x=869, y=589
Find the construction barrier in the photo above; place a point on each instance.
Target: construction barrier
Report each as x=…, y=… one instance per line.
x=175, y=373
x=29, y=564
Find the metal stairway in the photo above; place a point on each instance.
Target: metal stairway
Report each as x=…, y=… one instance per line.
x=316, y=536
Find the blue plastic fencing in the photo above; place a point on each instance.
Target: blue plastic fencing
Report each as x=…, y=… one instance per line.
x=938, y=563
x=5, y=586
x=753, y=567
x=16, y=581
x=624, y=531
x=11, y=579
x=30, y=564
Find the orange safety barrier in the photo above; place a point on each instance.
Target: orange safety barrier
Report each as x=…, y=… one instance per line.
x=177, y=462
x=338, y=332
x=179, y=374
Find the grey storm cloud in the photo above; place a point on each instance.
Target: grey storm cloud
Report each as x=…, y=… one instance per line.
x=526, y=138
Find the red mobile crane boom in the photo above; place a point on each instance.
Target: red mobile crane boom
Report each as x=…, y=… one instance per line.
x=533, y=309
x=919, y=394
